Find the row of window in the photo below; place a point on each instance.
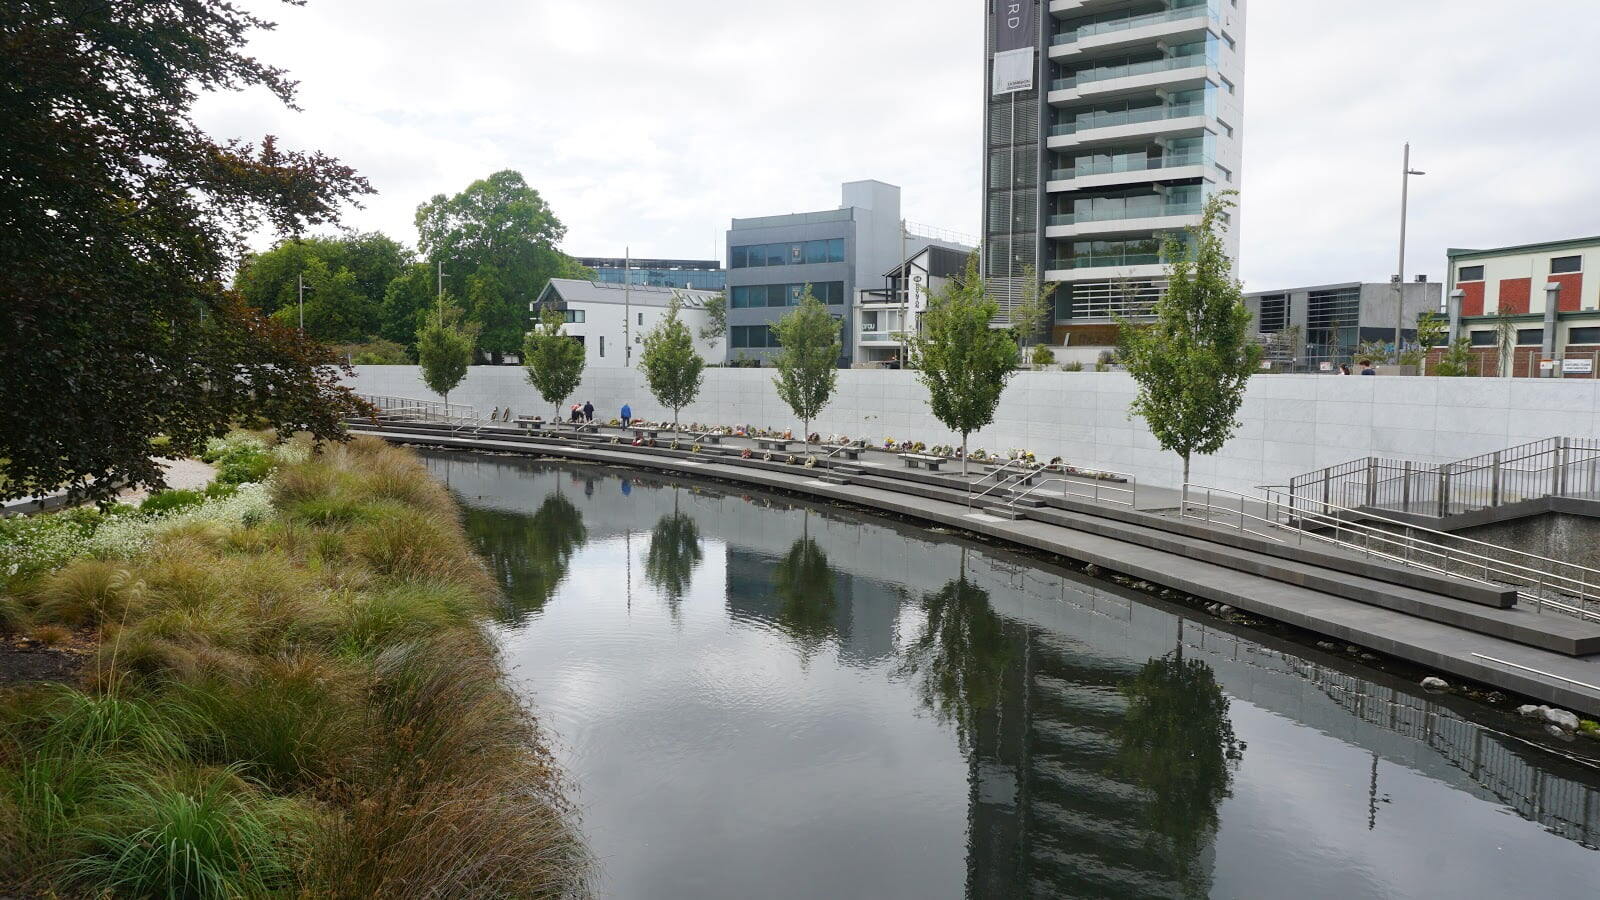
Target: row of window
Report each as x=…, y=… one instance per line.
x=1534, y=337
x=1559, y=265
x=793, y=253
x=753, y=296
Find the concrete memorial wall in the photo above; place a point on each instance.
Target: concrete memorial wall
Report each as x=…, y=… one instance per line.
x=1292, y=424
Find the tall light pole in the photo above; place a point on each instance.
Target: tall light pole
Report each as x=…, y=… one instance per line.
x=1400, y=285
x=300, y=281
x=627, y=306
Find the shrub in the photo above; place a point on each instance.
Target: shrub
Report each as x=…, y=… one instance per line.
x=51, y=635
x=87, y=592
x=406, y=611
x=170, y=501
x=1043, y=356
x=212, y=837
x=1074, y=366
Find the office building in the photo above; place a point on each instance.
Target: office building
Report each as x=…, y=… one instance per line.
x=695, y=274
x=607, y=318
x=1539, y=291
x=1313, y=329
x=885, y=316
x=1107, y=125
x=837, y=251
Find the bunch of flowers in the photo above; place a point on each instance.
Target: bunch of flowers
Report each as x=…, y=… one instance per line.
x=745, y=453
x=811, y=462
x=888, y=443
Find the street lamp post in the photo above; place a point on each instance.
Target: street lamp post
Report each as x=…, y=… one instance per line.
x=1400, y=284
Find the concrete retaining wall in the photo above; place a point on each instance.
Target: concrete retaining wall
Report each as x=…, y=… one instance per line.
x=1292, y=423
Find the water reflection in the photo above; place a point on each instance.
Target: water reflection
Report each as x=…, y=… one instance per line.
x=529, y=555
x=673, y=554
x=936, y=720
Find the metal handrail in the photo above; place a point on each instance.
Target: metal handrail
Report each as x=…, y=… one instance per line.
x=1132, y=492
x=1183, y=510
x=1008, y=484
x=1583, y=585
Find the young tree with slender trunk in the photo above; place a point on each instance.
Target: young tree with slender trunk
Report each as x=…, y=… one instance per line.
x=716, y=326
x=963, y=361
x=672, y=368
x=553, y=359
x=1193, y=363
x=808, y=361
x=1035, y=308
x=444, y=350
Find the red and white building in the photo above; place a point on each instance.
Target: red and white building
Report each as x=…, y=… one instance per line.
x=1548, y=294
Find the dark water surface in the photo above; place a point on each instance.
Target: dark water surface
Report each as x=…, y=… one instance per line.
x=757, y=698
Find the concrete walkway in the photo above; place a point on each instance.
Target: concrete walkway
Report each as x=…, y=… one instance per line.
x=1199, y=566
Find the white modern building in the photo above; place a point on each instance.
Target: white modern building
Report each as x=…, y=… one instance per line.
x=885, y=316
x=1107, y=125
x=611, y=320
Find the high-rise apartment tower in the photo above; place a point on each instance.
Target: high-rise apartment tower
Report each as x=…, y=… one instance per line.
x=1107, y=124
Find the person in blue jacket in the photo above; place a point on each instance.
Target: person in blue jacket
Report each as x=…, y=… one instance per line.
x=627, y=415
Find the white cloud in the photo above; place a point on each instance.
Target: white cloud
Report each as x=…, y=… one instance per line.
x=650, y=124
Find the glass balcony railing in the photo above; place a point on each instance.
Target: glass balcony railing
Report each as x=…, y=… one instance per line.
x=1140, y=211
x=1108, y=259
x=1134, y=164
x=1115, y=25
x=1089, y=76
x=1128, y=117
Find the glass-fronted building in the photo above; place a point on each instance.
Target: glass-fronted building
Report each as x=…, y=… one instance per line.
x=693, y=274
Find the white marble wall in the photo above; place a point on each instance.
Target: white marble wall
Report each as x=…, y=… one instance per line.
x=1292, y=423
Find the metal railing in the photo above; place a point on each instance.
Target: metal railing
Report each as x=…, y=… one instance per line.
x=434, y=411
x=1566, y=587
x=1124, y=496
x=1019, y=477
x=1554, y=467
x=1218, y=514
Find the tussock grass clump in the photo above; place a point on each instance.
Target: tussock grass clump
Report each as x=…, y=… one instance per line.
x=305, y=704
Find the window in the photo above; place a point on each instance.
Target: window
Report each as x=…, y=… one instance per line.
x=1584, y=336
x=1227, y=175
x=1530, y=337
x=1227, y=85
x=1470, y=273
x=787, y=254
x=756, y=296
x=602, y=345
x=641, y=318
x=754, y=337
x=1562, y=265
x=1229, y=41
x=1226, y=128
x=573, y=316
x=1485, y=339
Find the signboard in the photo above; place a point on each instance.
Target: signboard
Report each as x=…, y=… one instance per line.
x=1547, y=365
x=1015, y=26
x=1577, y=367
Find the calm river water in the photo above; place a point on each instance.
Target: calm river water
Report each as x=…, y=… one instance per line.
x=759, y=698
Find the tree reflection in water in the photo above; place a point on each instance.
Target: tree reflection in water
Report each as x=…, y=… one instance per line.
x=959, y=660
x=807, y=604
x=674, y=552
x=1177, y=743
x=529, y=555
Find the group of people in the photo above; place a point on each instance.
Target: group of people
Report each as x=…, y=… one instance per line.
x=1366, y=368
x=585, y=413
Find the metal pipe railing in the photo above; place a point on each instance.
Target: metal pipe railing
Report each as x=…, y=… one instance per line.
x=1132, y=491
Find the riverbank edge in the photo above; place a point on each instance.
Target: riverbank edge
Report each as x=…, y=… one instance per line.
x=323, y=683
x=1356, y=629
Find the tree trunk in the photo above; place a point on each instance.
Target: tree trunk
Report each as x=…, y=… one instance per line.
x=805, y=437
x=963, y=454
x=1183, y=504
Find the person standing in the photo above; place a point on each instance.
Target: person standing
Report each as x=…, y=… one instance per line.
x=627, y=415
x=588, y=410
x=1366, y=367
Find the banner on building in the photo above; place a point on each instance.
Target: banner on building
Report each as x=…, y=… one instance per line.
x=1015, y=26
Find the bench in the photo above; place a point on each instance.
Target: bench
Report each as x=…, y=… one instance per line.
x=529, y=423
x=848, y=451
x=779, y=444
x=645, y=434
x=709, y=437
x=923, y=461
x=1021, y=476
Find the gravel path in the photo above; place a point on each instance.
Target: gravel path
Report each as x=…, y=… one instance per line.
x=182, y=474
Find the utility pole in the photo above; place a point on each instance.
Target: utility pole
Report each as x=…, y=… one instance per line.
x=1400, y=279
x=300, y=281
x=627, y=307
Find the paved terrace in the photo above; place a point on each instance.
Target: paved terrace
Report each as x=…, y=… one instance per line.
x=1453, y=626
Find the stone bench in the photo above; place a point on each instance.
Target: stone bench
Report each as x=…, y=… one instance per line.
x=923, y=461
x=1020, y=476
x=529, y=423
x=849, y=451
x=780, y=445
x=707, y=437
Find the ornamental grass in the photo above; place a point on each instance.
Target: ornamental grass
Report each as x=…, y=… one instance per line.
x=302, y=703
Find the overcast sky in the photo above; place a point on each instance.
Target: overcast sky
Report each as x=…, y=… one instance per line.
x=651, y=122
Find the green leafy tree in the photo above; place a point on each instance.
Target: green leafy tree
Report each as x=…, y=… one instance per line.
x=1193, y=364
x=962, y=361
x=1035, y=308
x=808, y=360
x=672, y=368
x=407, y=299
x=1457, y=362
x=345, y=280
x=553, y=359
x=1177, y=743
x=120, y=219
x=444, y=349
x=497, y=239
x=716, y=326
x=377, y=352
